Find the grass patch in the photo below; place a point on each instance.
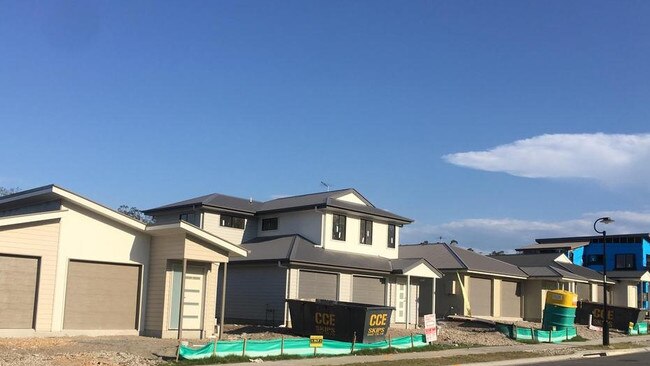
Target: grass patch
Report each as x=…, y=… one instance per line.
x=427, y=348
x=528, y=341
x=623, y=345
x=578, y=339
x=453, y=360
x=230, y=359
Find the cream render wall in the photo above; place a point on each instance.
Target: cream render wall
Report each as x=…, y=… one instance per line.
x=85, y=235
x=351, y=197
x=352, y=242
x=307, y=223
x=39, y=239
x=211, y=224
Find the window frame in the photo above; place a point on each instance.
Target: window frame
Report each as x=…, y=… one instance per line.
x=270, y=224
x=588, y=260
x=392, y=236
x=185, y=217
x=629, y=262
x=339, y=227
x=365, y=231
x=232, y=221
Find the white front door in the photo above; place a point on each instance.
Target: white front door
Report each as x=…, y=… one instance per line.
x=193, y=299
x=400, y=301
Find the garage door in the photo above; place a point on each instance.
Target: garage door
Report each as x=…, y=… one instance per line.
x=317, y=285
x=368, y=290
x=18, y=279
x=101, y=296
x=510, y=300
x=480, y=296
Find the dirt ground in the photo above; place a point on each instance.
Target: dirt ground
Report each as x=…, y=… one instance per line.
x=133, y=350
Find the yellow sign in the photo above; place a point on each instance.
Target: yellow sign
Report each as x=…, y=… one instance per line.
x=316, y=341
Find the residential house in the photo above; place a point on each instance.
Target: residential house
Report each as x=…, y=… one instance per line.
x=472, y=284
x=553, y=271
x=329, y=245
x=628, y=259
x=71, y=266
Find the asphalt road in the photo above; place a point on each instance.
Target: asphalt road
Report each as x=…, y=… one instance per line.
x=632, y=359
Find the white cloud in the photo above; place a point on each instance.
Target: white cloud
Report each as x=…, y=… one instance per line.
x=507, y=234
x=608, y=158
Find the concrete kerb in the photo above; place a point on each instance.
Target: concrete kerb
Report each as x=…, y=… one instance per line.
x=345, y=360
x=549, y=359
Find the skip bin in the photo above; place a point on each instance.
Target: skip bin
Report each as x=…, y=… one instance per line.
x=340, y=320
x=619, y=317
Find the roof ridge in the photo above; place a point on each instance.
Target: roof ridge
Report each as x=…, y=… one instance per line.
x=293, y=248
x=307, y=194
x=455, y=255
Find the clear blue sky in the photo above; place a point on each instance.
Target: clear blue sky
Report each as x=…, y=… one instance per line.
x=145, y=103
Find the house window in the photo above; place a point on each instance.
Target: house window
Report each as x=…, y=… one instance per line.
x=338, y=227
x=366, y=232
x=270, y=224
x=391, y=236
x=232, y=221
x=192, y=218
x=594, y=259
x=647, y=261
x=625, y=261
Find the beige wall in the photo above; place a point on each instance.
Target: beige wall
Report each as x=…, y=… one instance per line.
x=352, y=243
x=624, y=294
x=38, y=239
x=85, y=235
x=211, y=224
x=449, y=296
x=351, y=197
x=345, y=287
x=306, y=223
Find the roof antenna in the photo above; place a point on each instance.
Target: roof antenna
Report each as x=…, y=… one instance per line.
x=325, y=185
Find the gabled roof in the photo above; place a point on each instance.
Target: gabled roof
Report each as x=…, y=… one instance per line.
x=297, y=249
x=447, y=257
x=629, y=275
x=549, y=246
x=535, y=264
x=305, y=201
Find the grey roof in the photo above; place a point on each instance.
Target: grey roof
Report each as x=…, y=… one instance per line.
x=297, y=249
x=312, y=200
x=403, y=265
x=567, y=270
x=574, y=239
x=447, y=257
x=215, y=200
x=620, y=275
x=547, y=246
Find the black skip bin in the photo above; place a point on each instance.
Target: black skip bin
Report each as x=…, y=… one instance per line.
x=340, y=320
x=619, y=316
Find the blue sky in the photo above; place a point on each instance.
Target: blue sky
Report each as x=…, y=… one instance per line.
x=491, y=123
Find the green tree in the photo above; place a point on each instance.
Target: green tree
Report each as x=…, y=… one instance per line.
x=135, y=213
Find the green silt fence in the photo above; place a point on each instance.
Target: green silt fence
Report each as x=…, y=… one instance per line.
x=292, y=346
x=545, y=336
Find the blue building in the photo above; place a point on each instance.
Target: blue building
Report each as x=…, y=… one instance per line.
x=628, y=257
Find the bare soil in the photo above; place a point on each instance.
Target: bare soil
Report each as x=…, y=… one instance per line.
x=133, y=350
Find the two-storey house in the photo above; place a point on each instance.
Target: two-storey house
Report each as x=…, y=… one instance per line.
x=330, y=245
x=628, y=261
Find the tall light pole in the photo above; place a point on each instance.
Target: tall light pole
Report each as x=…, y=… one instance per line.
x=604, y=220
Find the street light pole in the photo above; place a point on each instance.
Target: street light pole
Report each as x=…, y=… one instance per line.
x=604, y=220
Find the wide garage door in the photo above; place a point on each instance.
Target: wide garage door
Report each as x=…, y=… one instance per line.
x=368, y=290
x=101, y=296
x=510, y=300
x=480, y=296
x=18, y=280
x=317, y=285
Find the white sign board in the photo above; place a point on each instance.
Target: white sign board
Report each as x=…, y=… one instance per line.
x=430, y=328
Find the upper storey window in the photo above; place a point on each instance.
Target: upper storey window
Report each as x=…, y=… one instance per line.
x=391, y=236
x=366, y=232
x=338, y=227
x=270, y=224
x=192, y=218
x=232, y=221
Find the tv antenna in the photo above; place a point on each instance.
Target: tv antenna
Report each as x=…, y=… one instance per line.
x=325, y=185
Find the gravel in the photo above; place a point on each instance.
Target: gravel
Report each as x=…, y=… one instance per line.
x=133, y=350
